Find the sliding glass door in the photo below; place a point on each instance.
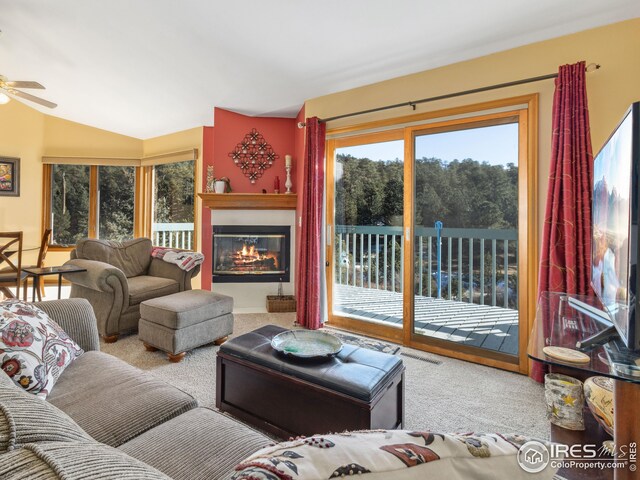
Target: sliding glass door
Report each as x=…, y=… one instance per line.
x=431, y=233
x=465, y=202
x=367, y=254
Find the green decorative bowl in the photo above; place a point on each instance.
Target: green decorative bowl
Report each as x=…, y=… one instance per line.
x=306, y=343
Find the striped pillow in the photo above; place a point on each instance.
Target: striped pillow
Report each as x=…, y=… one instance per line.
x=25, y=418
x=88, y=461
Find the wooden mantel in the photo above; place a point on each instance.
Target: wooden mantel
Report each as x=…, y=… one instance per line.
x=249, y=201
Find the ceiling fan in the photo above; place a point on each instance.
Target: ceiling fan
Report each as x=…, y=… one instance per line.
x=12, y=86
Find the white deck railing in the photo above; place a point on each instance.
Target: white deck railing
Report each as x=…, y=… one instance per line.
x=472, y=265
x=173, y=235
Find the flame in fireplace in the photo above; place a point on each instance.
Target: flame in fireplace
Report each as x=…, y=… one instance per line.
x=249, y=255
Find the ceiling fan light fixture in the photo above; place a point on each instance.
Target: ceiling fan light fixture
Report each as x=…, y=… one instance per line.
x=4, y=98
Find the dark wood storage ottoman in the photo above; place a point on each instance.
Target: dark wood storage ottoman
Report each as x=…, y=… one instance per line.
x=355, y=390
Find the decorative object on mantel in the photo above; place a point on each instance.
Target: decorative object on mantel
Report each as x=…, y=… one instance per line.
x=287, y=166
x=281, y=303
x=217, y=185
x=9, y=177
x=253, y=155
x=222, y=185
x=210, y=179
x=276, y=185
x=565, y=400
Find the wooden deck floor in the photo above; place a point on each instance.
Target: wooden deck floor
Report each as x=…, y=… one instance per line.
x=493, y=328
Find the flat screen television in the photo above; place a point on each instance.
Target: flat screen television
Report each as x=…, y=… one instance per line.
x=616, y=212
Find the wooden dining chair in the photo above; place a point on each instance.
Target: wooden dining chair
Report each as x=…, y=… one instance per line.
x=11, y=274
x=42, y=253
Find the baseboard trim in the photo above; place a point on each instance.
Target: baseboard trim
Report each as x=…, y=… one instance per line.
x=241, y=310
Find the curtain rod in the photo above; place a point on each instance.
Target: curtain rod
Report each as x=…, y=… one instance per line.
x=589, y=68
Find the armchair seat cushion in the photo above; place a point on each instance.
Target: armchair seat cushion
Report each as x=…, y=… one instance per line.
x=145, y=287
x=113, y=401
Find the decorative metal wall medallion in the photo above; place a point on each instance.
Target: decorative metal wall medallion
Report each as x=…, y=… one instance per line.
x=253, y=155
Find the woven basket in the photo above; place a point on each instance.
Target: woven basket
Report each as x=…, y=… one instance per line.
x=285, y=303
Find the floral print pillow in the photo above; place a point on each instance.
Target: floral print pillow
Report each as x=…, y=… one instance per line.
x=386, y=454
x=34, y=350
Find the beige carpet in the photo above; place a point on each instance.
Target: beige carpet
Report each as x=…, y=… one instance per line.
x=454, y=396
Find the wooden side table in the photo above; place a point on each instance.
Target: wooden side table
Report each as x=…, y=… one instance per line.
x=36, y=273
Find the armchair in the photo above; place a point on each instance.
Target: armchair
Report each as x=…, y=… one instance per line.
x=119, y=276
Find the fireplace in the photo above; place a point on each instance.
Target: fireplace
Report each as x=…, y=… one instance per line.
x=251, y=253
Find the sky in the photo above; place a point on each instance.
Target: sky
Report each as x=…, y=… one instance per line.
x=497, y=145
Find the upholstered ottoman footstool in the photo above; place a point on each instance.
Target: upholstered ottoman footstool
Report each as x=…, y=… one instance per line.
x=185, y=320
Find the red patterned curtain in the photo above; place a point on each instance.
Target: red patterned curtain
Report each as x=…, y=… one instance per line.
x=566, y=241
x=309, y=265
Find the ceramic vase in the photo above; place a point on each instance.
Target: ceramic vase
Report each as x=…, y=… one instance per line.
x=565, y=401
x=219, y=186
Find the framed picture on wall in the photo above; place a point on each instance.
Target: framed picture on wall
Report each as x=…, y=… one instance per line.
x=9, y=177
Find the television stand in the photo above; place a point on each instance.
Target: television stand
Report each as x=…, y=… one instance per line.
x=558, y=324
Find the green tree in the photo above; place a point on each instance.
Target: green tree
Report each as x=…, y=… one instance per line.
x=173, y=192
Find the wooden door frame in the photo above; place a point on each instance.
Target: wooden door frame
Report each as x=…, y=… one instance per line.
x=374, y=329
x=526, y=109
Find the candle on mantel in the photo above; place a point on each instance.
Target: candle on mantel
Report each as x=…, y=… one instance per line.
x=287, y=160
x=276, y=185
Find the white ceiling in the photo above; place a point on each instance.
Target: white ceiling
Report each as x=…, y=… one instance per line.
x=149, y=67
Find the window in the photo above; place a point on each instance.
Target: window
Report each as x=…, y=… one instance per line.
x=90, y=201
x=119, y=199
x=116, y=201
x=173, y=205
x=69, y=203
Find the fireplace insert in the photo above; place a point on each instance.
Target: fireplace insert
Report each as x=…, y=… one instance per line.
x=251, y=253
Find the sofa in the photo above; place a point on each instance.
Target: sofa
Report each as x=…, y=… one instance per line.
x=106, y=420
x=119, y=276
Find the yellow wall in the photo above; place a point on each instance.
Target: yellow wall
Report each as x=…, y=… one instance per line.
x=29, y=135
x=610, y=90
x=69, y=139
x=22, y=136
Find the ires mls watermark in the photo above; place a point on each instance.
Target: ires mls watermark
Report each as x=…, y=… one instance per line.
x=534, y=457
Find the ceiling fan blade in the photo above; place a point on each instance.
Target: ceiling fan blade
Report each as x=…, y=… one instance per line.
x=24, y=84
x=33, y=98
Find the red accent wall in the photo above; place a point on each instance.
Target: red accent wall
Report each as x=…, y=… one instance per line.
x=229, y=129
